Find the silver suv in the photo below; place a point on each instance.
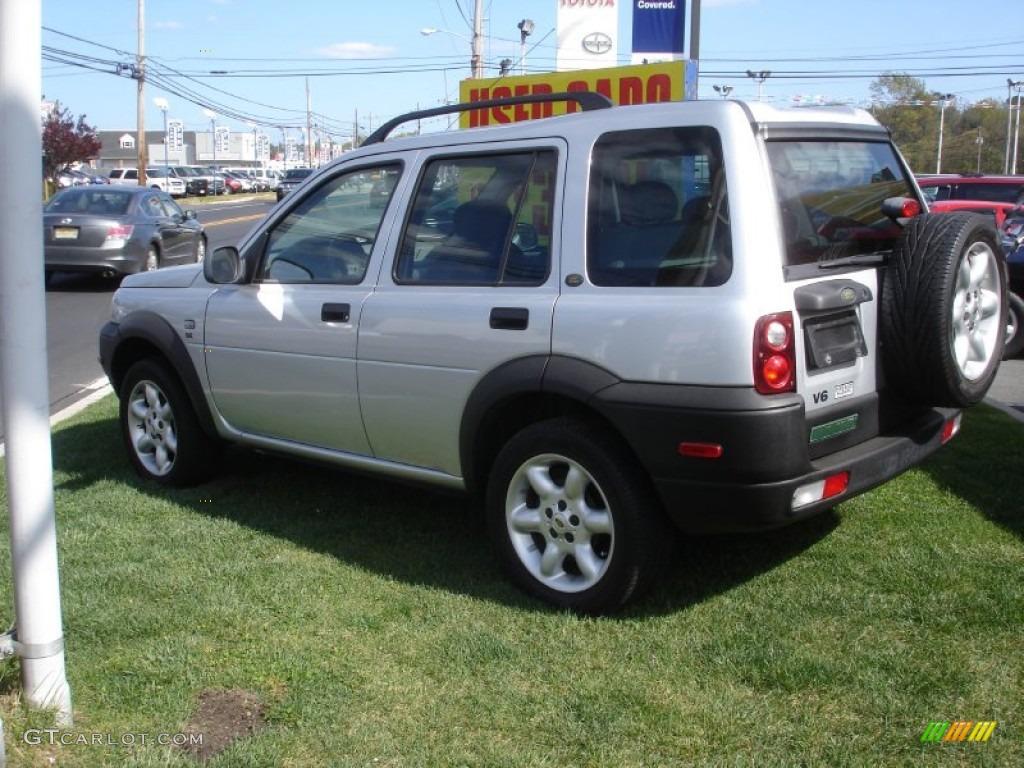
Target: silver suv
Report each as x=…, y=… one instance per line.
x=710, y=316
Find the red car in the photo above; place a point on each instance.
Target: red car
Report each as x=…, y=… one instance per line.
x=999, y=211
x=232, y=184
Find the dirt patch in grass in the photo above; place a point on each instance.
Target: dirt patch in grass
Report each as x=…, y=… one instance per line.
x=222, y=718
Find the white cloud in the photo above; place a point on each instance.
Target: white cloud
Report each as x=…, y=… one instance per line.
x=168, y=25
x=356, y=51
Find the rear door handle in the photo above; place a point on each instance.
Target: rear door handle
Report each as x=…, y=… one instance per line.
x=334, y=313
x=510, y=318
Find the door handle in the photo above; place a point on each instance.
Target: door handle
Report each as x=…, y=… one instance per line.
x=334, y=313
x=510, y=318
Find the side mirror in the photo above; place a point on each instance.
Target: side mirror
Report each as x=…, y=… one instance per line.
x=189, y=215
x=224, y=266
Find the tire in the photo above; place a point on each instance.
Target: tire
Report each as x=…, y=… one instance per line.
x=160, y=429
x=1014, y=330
x=943, y=310
x=200, y=249
x=152, y=261
x=595, y=538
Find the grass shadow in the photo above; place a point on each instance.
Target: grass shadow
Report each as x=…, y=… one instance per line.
x=983, y=465
x=413, y=534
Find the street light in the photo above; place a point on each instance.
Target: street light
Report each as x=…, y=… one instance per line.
x=946, y=98
x=162, y=104
x=723, y=90
x=525, y=30
x=1010, y=85
x=213, y=133
x=1016, y=129
x=475, y=64
x=760, y=76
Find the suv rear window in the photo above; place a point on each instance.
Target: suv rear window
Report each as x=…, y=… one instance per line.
x=658, y=212
x=830, y=196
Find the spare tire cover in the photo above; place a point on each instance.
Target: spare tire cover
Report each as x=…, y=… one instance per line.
x=944, y=309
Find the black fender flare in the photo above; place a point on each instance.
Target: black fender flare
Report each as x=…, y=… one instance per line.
x=556, y=375
x=158, y=333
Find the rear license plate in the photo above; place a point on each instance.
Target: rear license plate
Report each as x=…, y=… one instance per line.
x=834, y=340
x=65, y=233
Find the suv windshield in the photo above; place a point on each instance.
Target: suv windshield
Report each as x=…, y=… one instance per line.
x=830, y=197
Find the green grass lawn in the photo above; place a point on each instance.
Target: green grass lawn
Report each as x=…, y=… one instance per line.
x=356, y=622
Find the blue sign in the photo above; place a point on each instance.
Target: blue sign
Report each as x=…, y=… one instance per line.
x=659, y=26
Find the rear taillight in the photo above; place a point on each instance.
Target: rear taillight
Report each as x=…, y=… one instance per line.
x=119, y=232
x=774, y=354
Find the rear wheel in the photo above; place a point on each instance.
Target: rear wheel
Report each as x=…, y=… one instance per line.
x=1014, y=329
x=943, y=309
x=152, y=259
x=574, y=519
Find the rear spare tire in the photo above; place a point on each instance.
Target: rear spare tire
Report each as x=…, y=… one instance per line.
x=944, y=309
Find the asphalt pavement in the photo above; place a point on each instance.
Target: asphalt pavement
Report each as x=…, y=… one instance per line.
x=1007, y=392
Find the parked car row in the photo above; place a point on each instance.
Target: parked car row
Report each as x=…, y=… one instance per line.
x=195, y=180
x=70, y=177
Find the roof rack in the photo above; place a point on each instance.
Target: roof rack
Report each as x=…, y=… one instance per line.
x=587, y=100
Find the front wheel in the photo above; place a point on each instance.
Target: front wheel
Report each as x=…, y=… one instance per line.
x=160, y=429
x=574, y=519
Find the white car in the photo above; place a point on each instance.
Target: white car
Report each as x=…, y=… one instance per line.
x=155, y=177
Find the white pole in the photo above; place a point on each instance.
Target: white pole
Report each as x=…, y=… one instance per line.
x=942, y=121
x=476, y=60
x=24, y=385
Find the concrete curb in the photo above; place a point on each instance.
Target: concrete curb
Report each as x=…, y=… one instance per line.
x=1009, y=410
x=96, y=390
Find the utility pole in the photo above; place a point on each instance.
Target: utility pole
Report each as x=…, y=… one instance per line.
x=140, y=73
x=695, y=40
x=309, y=128
x=476, y=62
x=38, y=640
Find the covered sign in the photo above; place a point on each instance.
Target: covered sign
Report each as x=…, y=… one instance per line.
x=659, y=28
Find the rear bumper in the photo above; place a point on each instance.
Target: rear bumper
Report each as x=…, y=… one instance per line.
x=83, y=259
x=765, y=454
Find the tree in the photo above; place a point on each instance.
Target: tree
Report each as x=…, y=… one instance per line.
x=66, y=140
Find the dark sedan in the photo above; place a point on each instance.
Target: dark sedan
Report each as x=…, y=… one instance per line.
x=291, y=179
x=118, y=230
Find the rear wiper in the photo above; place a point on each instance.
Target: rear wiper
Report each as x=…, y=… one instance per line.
x=860, y=260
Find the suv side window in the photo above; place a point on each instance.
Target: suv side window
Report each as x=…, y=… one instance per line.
x=658, y=212
x=328, y=236
x=480, y=220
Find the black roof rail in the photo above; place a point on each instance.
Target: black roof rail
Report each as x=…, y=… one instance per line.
x=587, y=100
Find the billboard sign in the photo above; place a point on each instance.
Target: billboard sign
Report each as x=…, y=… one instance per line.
x=642, y=84
x=588, y=34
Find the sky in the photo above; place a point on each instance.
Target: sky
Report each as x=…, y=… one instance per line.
x=368, y=61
